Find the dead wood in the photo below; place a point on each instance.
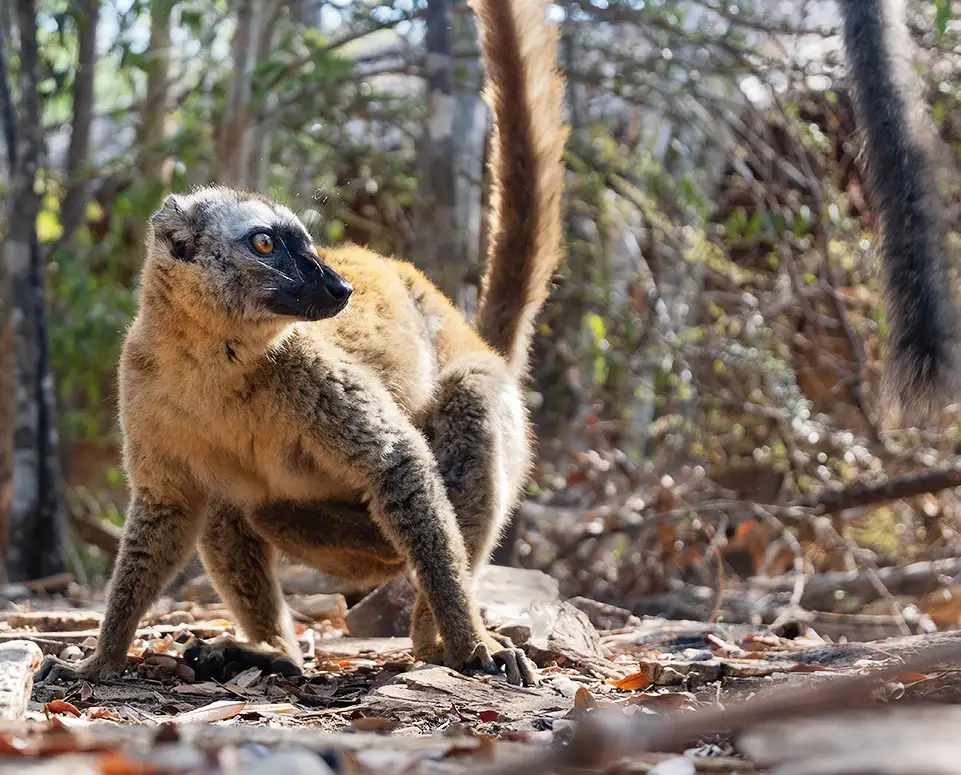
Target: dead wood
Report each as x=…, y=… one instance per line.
x=96, y=532
x=821, y=590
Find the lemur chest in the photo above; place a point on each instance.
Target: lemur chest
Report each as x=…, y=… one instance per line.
x=237, y=450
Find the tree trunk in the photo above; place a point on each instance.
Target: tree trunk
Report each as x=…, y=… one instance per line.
x=470, y=139
x=37, y=512
x=153, y=115
x=441, y=246
x=232, y=144
x=258, y=161
x=75, y=199
x=6, y=299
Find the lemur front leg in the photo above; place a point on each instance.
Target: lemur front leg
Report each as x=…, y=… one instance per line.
x=160, y=531
x=478, y=449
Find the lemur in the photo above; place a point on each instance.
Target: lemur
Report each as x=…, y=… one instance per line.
x=331, y=404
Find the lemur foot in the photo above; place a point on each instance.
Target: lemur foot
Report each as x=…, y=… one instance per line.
x=224, y=657
x=92, y=669
x=493, y=652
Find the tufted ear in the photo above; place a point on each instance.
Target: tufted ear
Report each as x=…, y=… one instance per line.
x=171, y=226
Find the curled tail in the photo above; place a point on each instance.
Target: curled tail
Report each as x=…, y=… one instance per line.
x=923, y=363
x=526, y=94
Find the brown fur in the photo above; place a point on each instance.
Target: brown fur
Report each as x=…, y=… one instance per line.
x=386, y=437
x=526, y=95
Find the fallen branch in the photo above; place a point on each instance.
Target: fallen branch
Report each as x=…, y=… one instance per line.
x=822, y=589
x=858, y=495
x=96, y=532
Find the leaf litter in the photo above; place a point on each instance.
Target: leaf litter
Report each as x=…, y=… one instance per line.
x=365, y=704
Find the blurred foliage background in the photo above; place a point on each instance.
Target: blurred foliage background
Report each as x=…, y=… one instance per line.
x=705, y=381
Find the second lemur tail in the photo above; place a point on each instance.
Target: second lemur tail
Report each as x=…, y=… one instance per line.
x=526, y=94
x=923, y=364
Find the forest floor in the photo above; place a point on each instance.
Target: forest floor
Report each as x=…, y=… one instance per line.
x=365, y=706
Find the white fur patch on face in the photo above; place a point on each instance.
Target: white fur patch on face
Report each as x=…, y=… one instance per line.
x=237, y=219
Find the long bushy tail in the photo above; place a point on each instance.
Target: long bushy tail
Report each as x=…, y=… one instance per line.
x=923, y=364
x=526, y=94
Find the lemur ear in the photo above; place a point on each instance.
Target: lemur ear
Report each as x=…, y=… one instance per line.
x=170, y=227
x=173, y=208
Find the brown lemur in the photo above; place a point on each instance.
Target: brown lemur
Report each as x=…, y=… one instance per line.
x=923, y=365
x=331, y=405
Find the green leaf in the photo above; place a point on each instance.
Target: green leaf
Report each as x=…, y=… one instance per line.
x=942, y=16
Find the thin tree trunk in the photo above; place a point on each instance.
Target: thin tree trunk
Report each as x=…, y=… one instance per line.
x=442, y=249
x=470, y=136
x=153, y=114
x=232, y=147
x=6, y=302
x=258, y=161
x=37, y=512
x=75, y=199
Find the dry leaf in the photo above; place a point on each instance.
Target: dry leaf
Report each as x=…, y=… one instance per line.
x=61, y=706
x=583, y=699
x=215, y=711
x=247, y=677
x=118, y=763
x=639, y=680
x=671, y=700
x=204, y=689
x=488, y=715
x=103, y=713
x=911, y=678
x=374, y=724
x=804, y=667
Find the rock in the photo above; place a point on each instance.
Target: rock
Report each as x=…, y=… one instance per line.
x=439, y=687
x=503, y=594
x=384, y=613
x=71, y=653
x=605, y=616
x=561, y=633
x=19, y=660
x=320, y=607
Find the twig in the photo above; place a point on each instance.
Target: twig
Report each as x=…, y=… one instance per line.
x=798, y=592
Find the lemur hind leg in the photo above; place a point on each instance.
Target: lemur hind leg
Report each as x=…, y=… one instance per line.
x=339, y=539
x=479, y=436
x=242, y=566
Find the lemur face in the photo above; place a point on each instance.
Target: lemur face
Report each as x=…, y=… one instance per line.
x=253, y=252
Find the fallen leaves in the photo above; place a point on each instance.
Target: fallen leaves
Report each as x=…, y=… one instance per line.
x=640, y=679
x=60, y=706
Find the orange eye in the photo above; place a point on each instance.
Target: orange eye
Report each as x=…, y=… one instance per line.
x=262, y=243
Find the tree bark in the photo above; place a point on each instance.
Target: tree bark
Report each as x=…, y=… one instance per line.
x=232, y=146
x=471, y=119
x=441, y=246
x=75, y=199
x=37, y=512
x=258, y=160
x=153, y=115
x=6, y=329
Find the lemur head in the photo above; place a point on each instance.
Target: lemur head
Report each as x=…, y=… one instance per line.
x=244, y=252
